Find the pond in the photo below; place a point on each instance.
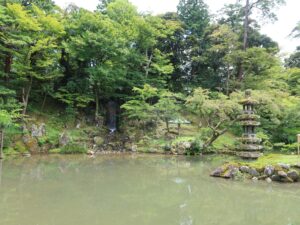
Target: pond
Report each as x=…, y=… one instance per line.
x=137, y=190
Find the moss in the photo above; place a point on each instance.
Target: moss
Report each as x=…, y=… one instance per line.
x=76, y=133
x=274, y=159
x=226, y=166
x=227, y=141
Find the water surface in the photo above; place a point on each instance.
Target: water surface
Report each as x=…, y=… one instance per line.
x=137, y=190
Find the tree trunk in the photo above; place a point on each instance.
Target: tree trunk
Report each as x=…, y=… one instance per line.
x=8, y=62
x=148, y=63
x=211, y=140
x=1, y=168
x=245, y=39
x=26, y=94
x=240, y=72
x=167, y=125
x=246, y=25
x=214, y=137
x=44, y=102
x=227, y=80
x=97, y=104
x=1, y=143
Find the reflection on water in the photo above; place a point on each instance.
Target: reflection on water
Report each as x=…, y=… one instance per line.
x=137, y=190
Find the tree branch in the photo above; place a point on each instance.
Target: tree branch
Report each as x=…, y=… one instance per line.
x=253, y=4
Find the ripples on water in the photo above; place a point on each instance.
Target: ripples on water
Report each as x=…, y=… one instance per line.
x=137, y=190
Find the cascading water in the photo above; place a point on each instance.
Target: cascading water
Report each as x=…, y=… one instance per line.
x=111, y=116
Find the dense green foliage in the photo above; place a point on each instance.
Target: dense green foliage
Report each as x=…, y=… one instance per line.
x=166, y=68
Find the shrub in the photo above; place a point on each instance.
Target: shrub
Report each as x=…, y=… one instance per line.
x=55, y=151
x=20, y=147
x=9, y=151
x=196, y=147
x=278, y=146
x=265, y=141
x=290, y=148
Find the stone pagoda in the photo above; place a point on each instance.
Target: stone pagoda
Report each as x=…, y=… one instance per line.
x=250, y=147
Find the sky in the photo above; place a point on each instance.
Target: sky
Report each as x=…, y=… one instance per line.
x=279, y=31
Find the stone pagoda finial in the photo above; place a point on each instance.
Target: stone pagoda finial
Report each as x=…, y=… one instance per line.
x=248, y=93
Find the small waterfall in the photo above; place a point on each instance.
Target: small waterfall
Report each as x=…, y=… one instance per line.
x=112, y=116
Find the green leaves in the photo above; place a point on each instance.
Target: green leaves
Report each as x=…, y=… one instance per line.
x=213, y=108
x=5, y=119
x=23, y=18
x=150, y=104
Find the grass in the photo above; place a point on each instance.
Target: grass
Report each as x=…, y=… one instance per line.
x=183, y=139
x=273, y=159
x=225, y=141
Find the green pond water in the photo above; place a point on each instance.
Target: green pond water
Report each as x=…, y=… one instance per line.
x=137, y=190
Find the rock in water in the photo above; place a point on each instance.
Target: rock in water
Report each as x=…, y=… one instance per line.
x=287, y=180
x=275, y=178
x=231, y=172
x=218, y=172
x=293, y=174
x=254, y=179
x=268, y=180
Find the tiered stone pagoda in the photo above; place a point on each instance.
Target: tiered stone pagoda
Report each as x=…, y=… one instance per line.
x=250, y=147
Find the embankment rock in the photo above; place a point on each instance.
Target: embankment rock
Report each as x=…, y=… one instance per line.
x=284, y=166
x=38, y=131
x=244, y=169
x=269, y=170
x=98, y=141
x=31, y=144
x=64, y=139
x=181, y=148
x=280, y=173
x=253, y=172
